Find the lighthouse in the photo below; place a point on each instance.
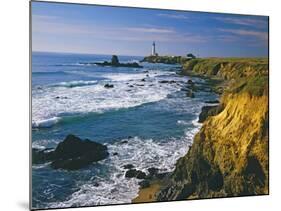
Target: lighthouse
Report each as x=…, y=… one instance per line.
x=153, y=51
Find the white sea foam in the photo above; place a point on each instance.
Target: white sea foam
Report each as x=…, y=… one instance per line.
x=72, y=84
x=45, y=123
x=143, y=154
x=51, y=103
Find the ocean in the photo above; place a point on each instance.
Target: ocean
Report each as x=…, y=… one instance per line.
x=142, y=122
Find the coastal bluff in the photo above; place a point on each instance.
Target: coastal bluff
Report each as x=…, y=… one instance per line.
x=229, y=155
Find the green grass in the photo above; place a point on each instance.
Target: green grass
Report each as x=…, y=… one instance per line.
x=256, y=85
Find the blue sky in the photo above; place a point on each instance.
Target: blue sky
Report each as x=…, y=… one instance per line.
x=73, y=28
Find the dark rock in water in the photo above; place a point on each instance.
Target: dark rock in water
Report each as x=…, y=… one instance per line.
x=153, y=171
x=212, y=101
x=190, y=82
x=144, y=184
x=96, y=184
x=72, y=154
x=190, y=94
x=161, y=175
x=128, y=166
x=131, y=86
x=209, y=111
x=146, y=71
x=124, y=142
x=167, y=82
x=115, y=63
x=143, y=80
x=147, y=75
x=108, y=86
x=114, y=60
x=115, y=153
x=135, y=173
x=139, y=84
x=140, y=175
x=40, y=156
x=131, y=173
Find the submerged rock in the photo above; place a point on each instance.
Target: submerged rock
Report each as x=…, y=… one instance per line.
x=72, y=154
x=108, y=86
x=135, y=173
x=128, y=166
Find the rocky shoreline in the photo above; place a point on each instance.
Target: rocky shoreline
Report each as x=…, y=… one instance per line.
x=229, y=155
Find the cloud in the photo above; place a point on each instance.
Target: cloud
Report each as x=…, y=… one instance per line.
x=258, y=23
x=173, y=16
x=48, y=26
x=250, y=33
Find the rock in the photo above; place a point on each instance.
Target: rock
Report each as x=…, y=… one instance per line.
x=40, y=156
x=212, y=101
x=128, y=166
x=115, y=63
x=161, y=175
x=209, y=111
x=131, y=86
x=143, y=80
x=108, y=86
x=153, y=171
x=115, y=153
x=144, y=184
x=131, y=173
x=115, y=60
x=190, y=94
x=124, y=142
x=135, y=173
x=167, y=82
x=190, y=82
x=140, y=175
x=72, y=154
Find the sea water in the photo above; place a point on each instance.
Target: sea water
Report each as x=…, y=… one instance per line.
x=143, y=122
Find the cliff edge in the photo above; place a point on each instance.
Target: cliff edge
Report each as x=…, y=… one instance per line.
x=229, y=155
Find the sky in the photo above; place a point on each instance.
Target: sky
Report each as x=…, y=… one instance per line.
x=76, y=28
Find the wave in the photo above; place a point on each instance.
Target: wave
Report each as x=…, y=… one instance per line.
x=71, y=84
x=45, y=123
x=92, y=97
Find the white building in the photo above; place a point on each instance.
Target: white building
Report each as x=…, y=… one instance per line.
x=153, y=50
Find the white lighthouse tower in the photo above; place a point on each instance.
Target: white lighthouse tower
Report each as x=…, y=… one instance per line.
x=153, y=51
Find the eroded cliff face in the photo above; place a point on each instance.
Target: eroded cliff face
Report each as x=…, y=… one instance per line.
x=229, y=155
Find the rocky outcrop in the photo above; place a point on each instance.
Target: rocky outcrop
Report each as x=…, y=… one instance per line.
x=71, y=154
x=209, y=111
x=115, y=63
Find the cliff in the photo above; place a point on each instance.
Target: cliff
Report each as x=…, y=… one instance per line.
x=229, y=155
